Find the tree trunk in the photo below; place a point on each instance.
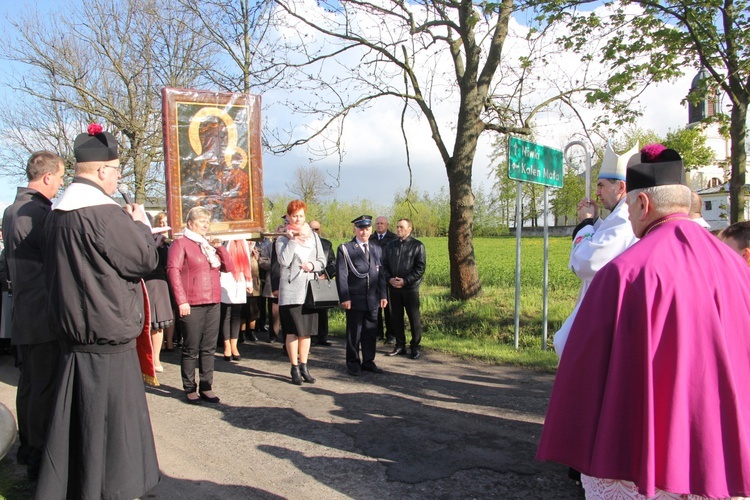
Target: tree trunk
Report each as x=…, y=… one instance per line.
x=738, y=134
x=464, y=276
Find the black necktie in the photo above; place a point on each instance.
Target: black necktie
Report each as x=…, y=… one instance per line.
x=367, y=252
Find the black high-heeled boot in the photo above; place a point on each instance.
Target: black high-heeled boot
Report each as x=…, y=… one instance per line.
x=306, y=374
x=296, y=377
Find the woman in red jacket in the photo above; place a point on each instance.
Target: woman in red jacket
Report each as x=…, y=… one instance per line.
x=193, y=268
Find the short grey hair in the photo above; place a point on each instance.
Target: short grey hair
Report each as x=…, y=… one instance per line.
x=196, y=213
x=666, y=199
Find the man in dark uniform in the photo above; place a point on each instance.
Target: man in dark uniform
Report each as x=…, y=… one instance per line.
x=330, y=273
x=361, y=287
x=404, y=265
x=37, y=346
x=100, y=443
x=382, y=236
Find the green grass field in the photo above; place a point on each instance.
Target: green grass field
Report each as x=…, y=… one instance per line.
x=483, y=328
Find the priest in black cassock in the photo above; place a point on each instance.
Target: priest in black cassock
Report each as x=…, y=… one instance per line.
x=100, y=443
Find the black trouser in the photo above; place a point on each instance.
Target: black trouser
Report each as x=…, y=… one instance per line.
x=200, y=329
x=263, y=312
x=36, y=394
x=231, y=320
x=400, y=300
x=361, y=331
x=322, y=325
x=384, y=322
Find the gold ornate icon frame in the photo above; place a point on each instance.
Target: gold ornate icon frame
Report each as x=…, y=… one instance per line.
x=213, y=159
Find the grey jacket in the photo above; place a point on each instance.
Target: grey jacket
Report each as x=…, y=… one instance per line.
x=293, y=280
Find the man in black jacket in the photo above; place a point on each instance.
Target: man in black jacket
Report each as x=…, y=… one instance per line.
x=330, y=273
x=100, y=443
x=382, y=236
x=404, y=265
x=37, y=347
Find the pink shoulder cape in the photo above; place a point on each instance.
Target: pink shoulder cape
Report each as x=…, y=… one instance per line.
x=654, y=386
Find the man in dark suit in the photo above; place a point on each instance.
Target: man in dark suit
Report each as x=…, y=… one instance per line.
x=37, y=346
x=362, y=290
x=330, y=273
x=382, y=236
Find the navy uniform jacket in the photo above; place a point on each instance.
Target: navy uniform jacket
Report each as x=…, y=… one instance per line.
x=356, y=289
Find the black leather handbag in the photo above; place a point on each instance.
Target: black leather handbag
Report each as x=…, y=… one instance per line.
x=321, y=294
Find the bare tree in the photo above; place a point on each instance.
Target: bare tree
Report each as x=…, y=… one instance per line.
x=309, y=184
x=239, y=31
x=106, y=62
x=430, y=55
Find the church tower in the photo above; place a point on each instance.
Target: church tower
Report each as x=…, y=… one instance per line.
x=708, y=176
x=707, y=106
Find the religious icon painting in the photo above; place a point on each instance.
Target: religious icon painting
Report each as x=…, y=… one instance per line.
x=213, y=159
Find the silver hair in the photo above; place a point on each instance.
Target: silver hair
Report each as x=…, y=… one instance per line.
x=666, y=199
x=197, y=213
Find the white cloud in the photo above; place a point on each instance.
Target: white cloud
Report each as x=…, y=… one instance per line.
x=374, y=166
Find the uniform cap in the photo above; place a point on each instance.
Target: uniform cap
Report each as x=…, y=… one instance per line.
x=363, y=221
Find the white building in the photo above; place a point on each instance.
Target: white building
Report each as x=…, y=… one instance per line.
x=712, y=181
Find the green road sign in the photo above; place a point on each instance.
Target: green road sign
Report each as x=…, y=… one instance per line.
x=529, y=162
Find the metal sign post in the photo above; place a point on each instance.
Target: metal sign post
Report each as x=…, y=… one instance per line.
x=519, y=223
x=529, y=162
x=545, y=282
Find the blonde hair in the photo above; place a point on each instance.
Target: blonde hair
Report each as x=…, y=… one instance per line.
x=196, y=213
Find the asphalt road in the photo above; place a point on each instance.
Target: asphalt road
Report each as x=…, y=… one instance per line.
x=436, y=428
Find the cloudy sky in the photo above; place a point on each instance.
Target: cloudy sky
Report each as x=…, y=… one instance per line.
x=374, y=166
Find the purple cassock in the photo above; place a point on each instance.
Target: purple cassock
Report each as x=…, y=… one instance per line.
x=654, y=387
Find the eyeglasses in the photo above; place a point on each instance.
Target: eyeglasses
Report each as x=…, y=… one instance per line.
x=316, y=229
x=116, y=167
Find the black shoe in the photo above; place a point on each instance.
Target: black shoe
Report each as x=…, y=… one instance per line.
x=193, y=401
x=396, y=351
x=354, y=373
x=236, y=358
x=209, y=398
x=227, y=358
x=305, y=373
x=390, y=341
x=414, y=354
x=372, y=367
x=323, y=343
x=262, y=329
x=296, y=375
x=250, y=336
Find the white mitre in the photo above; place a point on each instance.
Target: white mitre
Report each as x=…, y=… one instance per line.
x=614, y=166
